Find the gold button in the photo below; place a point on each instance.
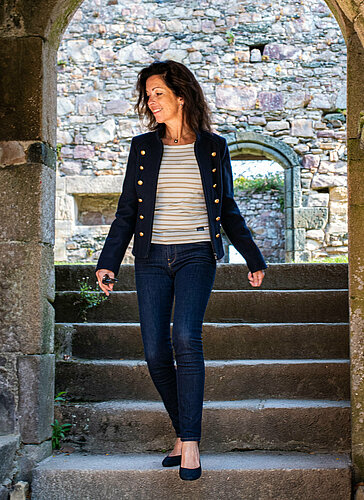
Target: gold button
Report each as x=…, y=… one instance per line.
x=213, y=153
x=141, y=167
x=217, y=236
x=214, y=185
x=142, y=152
x=217, y=218
x=214, y=169
x=141, y=234
x=217, y=200
x=140, y=183
x=140, y=200
x=141, y=216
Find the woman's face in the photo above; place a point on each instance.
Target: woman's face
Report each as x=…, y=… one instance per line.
x=162, y=101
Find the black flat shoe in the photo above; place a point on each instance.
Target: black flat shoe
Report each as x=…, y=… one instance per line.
x=190, y=474
x=172, y=461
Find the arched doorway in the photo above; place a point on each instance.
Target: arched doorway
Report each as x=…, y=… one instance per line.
x=250, y=145
x=28, y=45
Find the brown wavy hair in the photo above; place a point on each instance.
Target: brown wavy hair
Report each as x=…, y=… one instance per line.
x=184, y=84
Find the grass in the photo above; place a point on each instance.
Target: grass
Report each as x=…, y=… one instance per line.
x=338, y=259
x=262, y=184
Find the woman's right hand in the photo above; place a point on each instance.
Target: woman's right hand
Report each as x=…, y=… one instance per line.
x=107, y=288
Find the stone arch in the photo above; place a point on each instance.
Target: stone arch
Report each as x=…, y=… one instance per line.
x=29, y=36
x=261, y=146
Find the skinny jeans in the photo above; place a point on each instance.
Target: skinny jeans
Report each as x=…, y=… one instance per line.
x=182, y=274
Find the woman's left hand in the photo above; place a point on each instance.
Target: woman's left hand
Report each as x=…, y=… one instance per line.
x=256, y=278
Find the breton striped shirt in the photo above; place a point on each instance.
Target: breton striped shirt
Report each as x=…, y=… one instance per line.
x=180, y=214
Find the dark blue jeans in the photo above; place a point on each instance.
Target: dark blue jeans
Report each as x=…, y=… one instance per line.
x=184, y=272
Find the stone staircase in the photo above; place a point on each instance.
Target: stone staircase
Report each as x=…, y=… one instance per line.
x=276, y=422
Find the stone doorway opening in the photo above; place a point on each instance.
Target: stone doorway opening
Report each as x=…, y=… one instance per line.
x=255, y=146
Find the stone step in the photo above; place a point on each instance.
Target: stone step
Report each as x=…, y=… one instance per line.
x=101, y=380
x=228, y=276
x=248, y=475
x=144, y=426
x=253, y=306
x=221, y=340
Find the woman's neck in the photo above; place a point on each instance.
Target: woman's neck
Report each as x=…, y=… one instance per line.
x=178, y=133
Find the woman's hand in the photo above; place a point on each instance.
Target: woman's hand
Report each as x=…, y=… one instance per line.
x=256, y=278
x=107, y=288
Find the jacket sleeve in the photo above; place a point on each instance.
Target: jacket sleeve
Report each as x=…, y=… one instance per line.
x=123, y=226
x=233, y=222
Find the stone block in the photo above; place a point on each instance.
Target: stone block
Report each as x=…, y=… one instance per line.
x=65, y=106
x=81, y=51
x=4, y=493
x=318, y=199
x=28, y=456
x=256, y=120
x=36, y=397
x=103, y=133
x=302, y=127
x=281, y=51
x=316, y=234
x=310, y=217
x=85, y=184
x=302, y=256
x=117, y=107
x=337, y=228
x=333, y=167
x=27, y=203
x=356, y=173
x=8, y=447
x=270, y=101
x=277, y=125
x=312, y=245
x=328, y=181
x=175, y=54
x=28, y=282
x=235, y=98
x=295, y=239
x=8, y=393
x=28, y=89
x=338, y=211
x=11, y=153
x=20, y=491
x=339, y=193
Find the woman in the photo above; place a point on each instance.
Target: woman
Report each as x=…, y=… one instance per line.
x=177, y=191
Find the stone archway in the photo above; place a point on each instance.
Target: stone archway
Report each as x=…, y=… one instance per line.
x=264, y=146
x=29, y=38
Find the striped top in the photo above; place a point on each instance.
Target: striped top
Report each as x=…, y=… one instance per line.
x=180, y=214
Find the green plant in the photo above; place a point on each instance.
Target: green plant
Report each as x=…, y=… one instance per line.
x=58, y=150
x=262, y=184
x=60, y=397
x=230, y=37
x=58, y=433
x=88, y=298
x=337, y=259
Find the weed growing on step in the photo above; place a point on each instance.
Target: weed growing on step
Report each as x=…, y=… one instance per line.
x=89, y=297
x=59, y=432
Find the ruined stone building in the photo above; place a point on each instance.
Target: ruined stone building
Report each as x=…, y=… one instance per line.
x=285, y=81
x=276, y=89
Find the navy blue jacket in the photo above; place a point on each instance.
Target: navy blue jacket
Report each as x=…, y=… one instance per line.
x=134, y=215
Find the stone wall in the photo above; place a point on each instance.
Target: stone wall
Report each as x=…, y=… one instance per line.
x=275, y=70
x=264, y=217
